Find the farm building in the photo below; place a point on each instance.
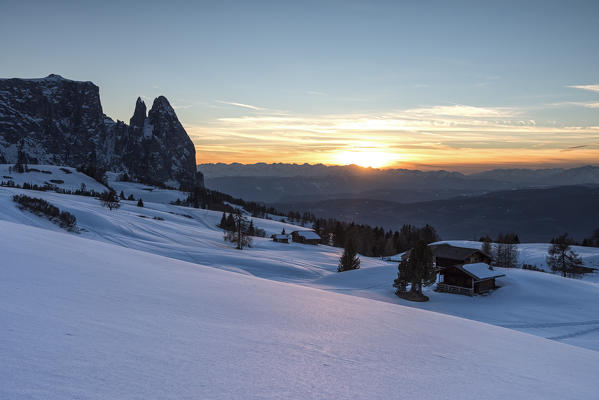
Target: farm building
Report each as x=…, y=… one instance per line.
x=468, y=279
x=280, y=238
x=462, y=270
x=305, y=237
x=447, y=255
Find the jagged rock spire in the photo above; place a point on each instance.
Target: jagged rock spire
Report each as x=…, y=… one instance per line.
x=139, y=115
x=63, y=123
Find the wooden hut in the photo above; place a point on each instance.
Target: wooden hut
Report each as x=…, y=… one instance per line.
x=468, y=279
x=305, y=237
x=280, y=238
x=448, y=255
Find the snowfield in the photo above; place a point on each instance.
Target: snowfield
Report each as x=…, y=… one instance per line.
x=71, y=179
x=142, y=303
x=91, y=320
x=146, y=192
x=541, y=304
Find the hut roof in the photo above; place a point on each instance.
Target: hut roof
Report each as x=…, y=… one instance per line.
x=445, y=250
x=307, y=234
x=480, y=271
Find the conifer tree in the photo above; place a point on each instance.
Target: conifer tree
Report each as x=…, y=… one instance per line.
x=349, y=259
x=240, y=226
x=506, y=255
x=140, y=202
x=562, y=258
x=223, y=221
x=230, y=223
x=110, y=200
x=21, y=165
x=417, y=270
x=487, y=248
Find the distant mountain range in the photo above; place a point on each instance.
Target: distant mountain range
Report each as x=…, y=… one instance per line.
x=536, y=215
x=58, y=121
x=537, y=204
x=294, y=182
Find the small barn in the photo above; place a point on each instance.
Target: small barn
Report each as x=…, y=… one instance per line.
x=468, y=279
x=305, y=237
x=447, y=255
x=280, y=238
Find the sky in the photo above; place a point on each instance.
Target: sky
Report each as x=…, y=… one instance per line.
x=412, y=84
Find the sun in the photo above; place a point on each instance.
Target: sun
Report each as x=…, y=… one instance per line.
x=365, y=158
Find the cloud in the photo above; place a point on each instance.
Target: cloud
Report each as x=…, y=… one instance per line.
x=432, y=135
x=576, y=103
x=232, y=103
x=581, y=146
x=592, y=88
x=459, y=110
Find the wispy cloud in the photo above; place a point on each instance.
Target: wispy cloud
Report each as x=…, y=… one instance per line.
x=592, y=88
x=581, y=146
x=576, y=104
x=459, y=110
x=249, y=106
x=427, y=135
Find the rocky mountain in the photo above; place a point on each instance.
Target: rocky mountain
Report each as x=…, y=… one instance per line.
x=54, y=120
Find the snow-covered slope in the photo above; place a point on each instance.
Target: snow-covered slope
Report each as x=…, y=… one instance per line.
x=91, y=320
x=66, y=178
x=184, y=233
x=542, y=304
x=147, y=193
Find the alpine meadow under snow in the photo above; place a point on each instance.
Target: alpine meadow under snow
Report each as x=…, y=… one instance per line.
x=152, y=303
x=86, y=319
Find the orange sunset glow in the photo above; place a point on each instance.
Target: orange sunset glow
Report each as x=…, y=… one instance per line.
x=458, y=137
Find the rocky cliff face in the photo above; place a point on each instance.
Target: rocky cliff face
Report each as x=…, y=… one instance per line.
x=58, y=121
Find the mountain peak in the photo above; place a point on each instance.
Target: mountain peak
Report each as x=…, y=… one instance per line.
x=139, y=115
x=163, y=107
x=161, y=102
x=55, y=77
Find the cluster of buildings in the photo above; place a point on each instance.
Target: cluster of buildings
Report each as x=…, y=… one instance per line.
x=462, y=270
x=304, y=237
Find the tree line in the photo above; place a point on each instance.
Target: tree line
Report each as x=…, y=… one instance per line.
x=369, y=241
